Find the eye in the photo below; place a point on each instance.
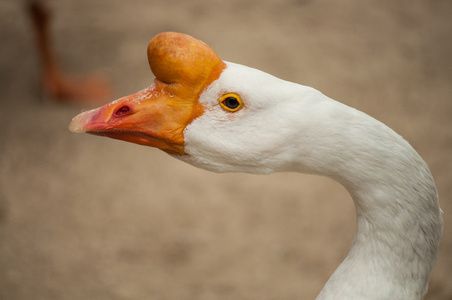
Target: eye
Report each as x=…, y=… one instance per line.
x=231, y=102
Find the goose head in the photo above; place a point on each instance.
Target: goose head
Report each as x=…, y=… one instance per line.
x=225, y=117
x=216, y=115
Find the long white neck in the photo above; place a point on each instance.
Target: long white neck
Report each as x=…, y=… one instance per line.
x=399, y=221
x=397, y=238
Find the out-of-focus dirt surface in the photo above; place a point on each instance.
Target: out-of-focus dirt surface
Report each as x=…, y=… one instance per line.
x=83, y=217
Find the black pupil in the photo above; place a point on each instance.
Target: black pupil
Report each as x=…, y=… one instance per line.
x=231, y=102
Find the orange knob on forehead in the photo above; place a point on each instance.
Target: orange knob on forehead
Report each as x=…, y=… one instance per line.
x=180, y=58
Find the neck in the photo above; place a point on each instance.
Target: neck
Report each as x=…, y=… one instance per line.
x=399, y=221
x=396, y=242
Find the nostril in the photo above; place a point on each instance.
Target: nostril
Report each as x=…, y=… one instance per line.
x=122, y=110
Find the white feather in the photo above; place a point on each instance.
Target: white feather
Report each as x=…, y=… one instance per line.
x=286, y=127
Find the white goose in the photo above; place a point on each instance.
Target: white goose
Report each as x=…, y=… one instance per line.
x=226, y=117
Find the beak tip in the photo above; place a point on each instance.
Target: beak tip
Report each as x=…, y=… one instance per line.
x=78, y=123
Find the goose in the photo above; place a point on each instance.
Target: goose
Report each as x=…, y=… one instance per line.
x=226, y=117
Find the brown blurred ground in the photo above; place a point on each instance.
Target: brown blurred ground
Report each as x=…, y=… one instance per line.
x=83, y=217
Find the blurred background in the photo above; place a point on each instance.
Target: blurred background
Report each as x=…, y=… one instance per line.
x=82, y=217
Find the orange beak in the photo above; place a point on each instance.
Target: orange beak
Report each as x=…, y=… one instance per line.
x=158, y=115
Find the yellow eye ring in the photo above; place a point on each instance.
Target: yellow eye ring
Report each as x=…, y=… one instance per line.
x=231, y=102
